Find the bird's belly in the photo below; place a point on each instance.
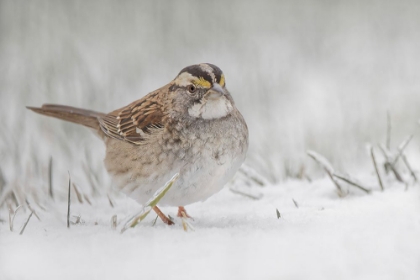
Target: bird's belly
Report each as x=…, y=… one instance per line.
x=198, y=180
x=201, y=180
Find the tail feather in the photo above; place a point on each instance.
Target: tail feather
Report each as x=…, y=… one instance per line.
x=84, y=117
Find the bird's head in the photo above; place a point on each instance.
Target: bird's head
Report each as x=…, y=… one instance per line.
x=201, y=88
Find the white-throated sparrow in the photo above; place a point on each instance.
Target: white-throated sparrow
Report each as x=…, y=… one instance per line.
x=190, y=126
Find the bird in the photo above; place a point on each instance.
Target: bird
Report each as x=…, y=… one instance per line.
x=190, y=126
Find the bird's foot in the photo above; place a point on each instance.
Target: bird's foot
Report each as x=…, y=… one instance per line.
x=182, y=213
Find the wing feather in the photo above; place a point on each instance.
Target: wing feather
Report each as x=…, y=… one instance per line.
x=133, y=121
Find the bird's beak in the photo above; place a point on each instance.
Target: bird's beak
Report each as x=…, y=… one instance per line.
x=215, y=92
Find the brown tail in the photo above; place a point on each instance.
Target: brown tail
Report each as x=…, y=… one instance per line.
x=75, y=115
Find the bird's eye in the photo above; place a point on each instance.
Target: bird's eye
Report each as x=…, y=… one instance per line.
x=192, y=88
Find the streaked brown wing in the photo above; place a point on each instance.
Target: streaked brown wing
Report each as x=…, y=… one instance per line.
x=132, y=122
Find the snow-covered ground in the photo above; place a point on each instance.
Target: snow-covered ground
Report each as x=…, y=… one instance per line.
x=360, y=236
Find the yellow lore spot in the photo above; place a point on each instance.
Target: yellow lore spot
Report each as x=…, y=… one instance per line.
x=201, y=82
x=222, y=80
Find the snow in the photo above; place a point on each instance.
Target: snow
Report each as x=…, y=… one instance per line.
x=360, y=236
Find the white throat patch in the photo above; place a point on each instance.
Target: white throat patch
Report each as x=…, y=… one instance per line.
x=211, y=108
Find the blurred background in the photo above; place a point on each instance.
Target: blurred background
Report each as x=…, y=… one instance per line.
x=317, y=75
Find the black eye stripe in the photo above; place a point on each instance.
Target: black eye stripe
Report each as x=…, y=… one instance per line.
x=175, y=87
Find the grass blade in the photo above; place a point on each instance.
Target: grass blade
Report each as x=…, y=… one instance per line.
x=372, y=154
x=327, y=168
x=114, y=222
x=388, y=165
x=68, y=203
x=246, y=191
x=252, y=175
x=352, y=182
x=402, y=147
x=32, y=210
x=50, y=179
x=407, y=164
x=133, y=221
x=27, y=221
x=278, y=214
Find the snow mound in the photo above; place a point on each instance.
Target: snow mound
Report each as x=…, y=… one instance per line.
x=321, y=236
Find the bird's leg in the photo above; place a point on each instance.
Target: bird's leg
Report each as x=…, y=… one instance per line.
x=162, y=216
x=182, y=213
